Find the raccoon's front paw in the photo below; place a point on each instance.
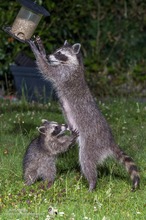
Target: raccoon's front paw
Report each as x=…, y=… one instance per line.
x=40, y=46
x=75, y=135
x=33, y=47
x=75, y=132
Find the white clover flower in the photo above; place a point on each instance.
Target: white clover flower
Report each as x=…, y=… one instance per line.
x=72, y=216
x=97, y=202
x=105, y=218
x=61, y=213
x=86, y=218
x=138, y=213
x=95, y=208
x=47, y=217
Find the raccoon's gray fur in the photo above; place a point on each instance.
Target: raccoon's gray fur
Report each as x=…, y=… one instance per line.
x=39, y=159
x=65, y=69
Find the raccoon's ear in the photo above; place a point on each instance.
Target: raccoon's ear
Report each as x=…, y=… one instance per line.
x=41, y=129
x=65, y=43
x=44, y=120
x=76, y=48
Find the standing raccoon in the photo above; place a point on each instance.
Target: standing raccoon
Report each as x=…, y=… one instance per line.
x=65, y=69
x=39, y=159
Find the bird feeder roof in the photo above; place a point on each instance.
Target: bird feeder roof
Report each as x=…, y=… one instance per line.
x=33, y=6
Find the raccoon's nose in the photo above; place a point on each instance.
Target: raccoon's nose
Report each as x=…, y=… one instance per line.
x=64, y=127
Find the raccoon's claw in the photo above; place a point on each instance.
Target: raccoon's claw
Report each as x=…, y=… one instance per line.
x=72, y=130
x=75, y=134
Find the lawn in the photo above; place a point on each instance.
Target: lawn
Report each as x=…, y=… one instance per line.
x=69, y=198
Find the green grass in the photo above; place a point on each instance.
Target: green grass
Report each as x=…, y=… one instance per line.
x=69, y=196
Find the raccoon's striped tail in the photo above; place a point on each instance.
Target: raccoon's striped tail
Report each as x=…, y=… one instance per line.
x=130, y=166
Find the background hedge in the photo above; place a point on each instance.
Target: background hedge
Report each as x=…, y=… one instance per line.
x=112, y=34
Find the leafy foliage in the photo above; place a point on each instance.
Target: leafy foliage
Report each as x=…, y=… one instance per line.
x=112, y=34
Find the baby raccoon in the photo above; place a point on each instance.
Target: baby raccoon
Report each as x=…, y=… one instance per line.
x=40, y=156
x=65, y=69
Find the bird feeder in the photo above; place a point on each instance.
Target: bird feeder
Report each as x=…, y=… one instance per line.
x=26, y=21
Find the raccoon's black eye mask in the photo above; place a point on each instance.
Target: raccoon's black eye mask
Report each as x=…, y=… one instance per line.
x=59, y=56
x=56, y=131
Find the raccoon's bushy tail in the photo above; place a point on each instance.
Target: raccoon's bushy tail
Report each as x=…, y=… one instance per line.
x=130, y=166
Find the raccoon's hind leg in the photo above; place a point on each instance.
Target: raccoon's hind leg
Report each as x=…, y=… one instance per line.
x=30, y=177
x=49, y=174
x=89, y=170
x=130, y=166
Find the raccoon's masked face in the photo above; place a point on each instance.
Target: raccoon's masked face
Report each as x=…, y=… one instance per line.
x=52, y=128
x=67, y=55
